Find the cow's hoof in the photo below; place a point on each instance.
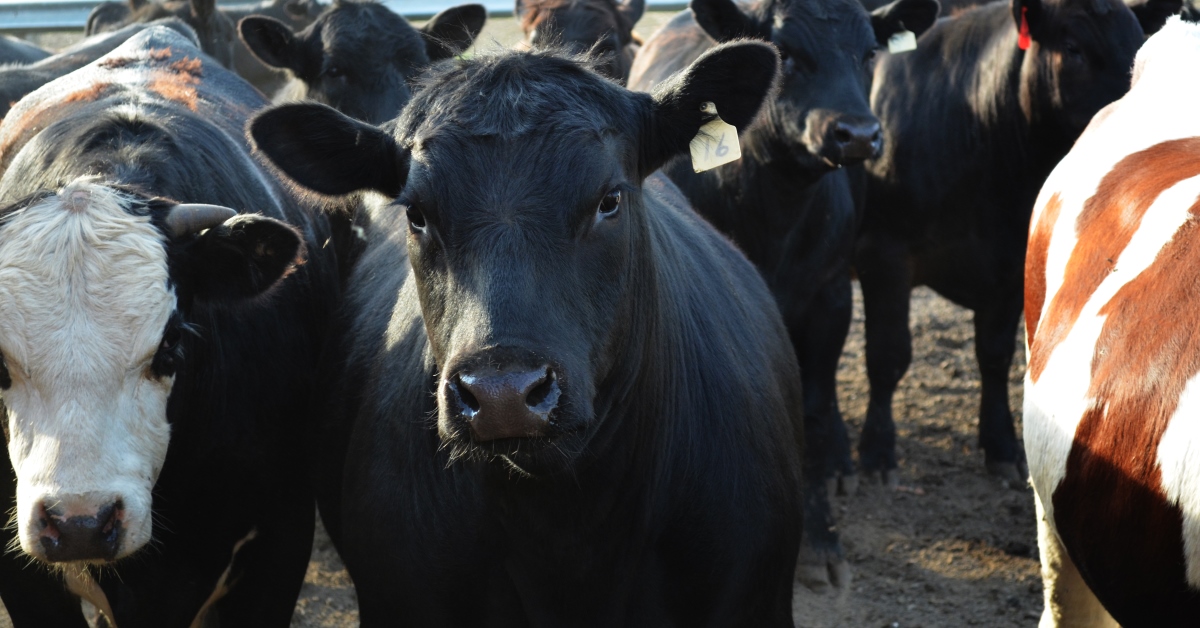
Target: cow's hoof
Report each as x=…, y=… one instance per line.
x=1012, y=474
x=842, y=485
x=823, y=573
x=889, y=478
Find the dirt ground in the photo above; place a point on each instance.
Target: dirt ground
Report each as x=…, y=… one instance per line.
x=952, y=547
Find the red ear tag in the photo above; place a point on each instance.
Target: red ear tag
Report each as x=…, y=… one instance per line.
x=1023, y=38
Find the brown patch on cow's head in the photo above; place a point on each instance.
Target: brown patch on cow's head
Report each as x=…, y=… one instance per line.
x=1104, y=227
x=116, y=63
x=1035, y=264
x=88, y=94
x=1148, y=349
x=179, y=82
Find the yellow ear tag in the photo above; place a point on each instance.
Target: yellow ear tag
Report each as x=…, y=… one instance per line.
x=716, y=144
x=902, y=42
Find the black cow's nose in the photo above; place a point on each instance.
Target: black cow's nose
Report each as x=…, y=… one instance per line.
x=66, y=538
x=504, y=403
x=856, y=140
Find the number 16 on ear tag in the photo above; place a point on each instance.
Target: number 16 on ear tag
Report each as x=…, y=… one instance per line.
x=716, y=144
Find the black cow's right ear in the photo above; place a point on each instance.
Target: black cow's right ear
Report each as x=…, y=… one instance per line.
x=736, y=77
x=724, y=21
x=271, y=41
x=329, y=152
x=1153, y=14
x=912, y=15
x=452, y=31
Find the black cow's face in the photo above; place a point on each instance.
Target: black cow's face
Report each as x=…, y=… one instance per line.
x=1080, y=56
x=521, y=178
x=214, y=30
x=600, y=28
x=360, y=57
x=822, y=114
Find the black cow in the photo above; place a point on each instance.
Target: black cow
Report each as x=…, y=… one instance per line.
x=601, y=28
x=359, y=57
x=19, y=51
x=158, y=375
x=974, y=120
x=793, y=203
x=297, y=14
x=576, y=406
x=214, y=29
x=19, y=80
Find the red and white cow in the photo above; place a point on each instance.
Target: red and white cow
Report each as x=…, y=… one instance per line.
x=1112, y=394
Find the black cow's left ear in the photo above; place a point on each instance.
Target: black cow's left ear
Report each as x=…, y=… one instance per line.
x=911, y=15
x=452, y=31
x=1153, y=14
x=736, y=77
x=272, y=42
x=327, y=151
x=240, y=258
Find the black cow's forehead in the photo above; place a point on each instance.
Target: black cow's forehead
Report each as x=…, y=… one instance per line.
x=511, y=94
x=366, y=31
x=807, y=24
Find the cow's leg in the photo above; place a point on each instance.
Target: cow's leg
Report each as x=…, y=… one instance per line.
x=885, y=274
x=818, y=337
x=995, y=341
x=1069, y=602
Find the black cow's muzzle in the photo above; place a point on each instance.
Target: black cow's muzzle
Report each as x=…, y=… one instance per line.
x=502, y=403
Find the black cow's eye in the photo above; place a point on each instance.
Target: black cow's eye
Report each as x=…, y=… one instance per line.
x=1073, y=49
x=170, y=352
x=609, y=205
x=869, y=57
x=416, y=220
x=334, y=71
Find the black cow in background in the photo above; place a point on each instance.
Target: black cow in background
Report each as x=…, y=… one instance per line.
x=214, y=29
x=159, y=376
x=18, y=80
x=602, y=28
x=793, y=202
x=359, y=57
x=19, y=51
x=576, y=406
x=974, y=120
x=297, y=14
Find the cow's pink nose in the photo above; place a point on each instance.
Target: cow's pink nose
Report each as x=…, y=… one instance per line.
x=75, y=534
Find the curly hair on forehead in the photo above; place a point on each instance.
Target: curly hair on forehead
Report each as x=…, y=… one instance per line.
x=510, y=93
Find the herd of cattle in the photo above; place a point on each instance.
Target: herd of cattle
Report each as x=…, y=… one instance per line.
x=487, y=316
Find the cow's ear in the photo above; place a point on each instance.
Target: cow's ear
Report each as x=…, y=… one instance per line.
x=1153, y=14
x=329, y=152
x=203, y=9
x=240, y=258
x=272, y=41
x=911, y=15
x=104, y=16
x=723, y=20
x=736, y=77
x=1029, y=10
x=452, y=31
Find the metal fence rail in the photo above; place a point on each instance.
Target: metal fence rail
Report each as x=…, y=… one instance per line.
x=19, y=16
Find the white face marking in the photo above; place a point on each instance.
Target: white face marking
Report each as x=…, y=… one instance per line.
x=84, y=300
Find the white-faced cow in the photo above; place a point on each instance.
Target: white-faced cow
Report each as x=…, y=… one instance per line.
x=793, y=203
x=359, y=57
x=1112, y=315
x=974, y=119
x=18, y=80
x=570, y=402
x=157, y=369
x=600, y=28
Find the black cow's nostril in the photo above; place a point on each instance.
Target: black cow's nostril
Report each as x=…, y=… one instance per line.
x=843, y=135
x=510, y=403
